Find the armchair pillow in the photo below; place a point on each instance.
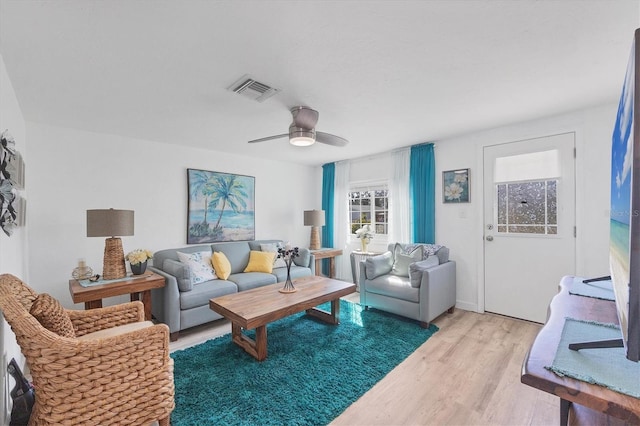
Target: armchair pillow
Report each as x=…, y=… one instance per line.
x=200, y=266
x=221, y=265
x=378, y=265
x=260, y=261
x=50, y=313
x=417, y=268
x=402, y=260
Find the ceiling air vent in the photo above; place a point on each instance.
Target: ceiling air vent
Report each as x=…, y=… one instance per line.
x=252, y=89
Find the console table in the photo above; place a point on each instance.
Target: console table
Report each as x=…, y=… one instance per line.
x=135, y=286
x=580, y=402
x=326, y=253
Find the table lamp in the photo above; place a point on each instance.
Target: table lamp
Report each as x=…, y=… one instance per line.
x=314, y=219
x=111, y=223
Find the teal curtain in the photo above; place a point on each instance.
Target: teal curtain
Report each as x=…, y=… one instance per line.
x=422, y=187
x=328, y=185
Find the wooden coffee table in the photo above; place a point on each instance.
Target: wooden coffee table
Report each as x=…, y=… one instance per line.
x=258, y=307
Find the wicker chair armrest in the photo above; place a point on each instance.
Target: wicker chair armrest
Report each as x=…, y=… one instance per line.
x=91, y=381
x=99, y=319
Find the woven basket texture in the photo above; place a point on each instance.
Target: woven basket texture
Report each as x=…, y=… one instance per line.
x=121, y=380
x=113, y=264
x=50, y=313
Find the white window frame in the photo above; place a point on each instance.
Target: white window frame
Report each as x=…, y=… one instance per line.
x=371, y=186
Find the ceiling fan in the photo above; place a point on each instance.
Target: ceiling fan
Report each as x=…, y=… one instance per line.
x=302, y=130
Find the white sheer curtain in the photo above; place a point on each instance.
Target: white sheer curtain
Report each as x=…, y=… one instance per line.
x=399, y=200
x=341, y=219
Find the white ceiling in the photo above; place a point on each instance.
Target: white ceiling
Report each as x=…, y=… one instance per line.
x=382, y=74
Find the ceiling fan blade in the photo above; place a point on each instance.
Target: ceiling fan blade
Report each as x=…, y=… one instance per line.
x=268, y=138
x=330, y=139
x=304, y=117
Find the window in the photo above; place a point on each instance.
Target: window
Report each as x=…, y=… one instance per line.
x=527, y=207
x=369, y=205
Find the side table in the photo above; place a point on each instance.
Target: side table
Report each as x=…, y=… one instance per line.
x=138, y=287
x=356, y=257
x=326, y=253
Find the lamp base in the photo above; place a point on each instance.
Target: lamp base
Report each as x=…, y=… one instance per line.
x=113, y=266
x=315, y=238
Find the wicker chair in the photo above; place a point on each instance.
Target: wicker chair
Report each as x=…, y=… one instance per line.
x=124, y=379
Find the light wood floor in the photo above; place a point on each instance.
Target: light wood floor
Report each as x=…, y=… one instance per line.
x=468, y=373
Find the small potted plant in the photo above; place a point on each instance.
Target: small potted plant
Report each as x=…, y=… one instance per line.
x=138, y=260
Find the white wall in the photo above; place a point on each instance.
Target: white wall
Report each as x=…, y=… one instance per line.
x=71, y=171
x=13, y=258
x=460, y=226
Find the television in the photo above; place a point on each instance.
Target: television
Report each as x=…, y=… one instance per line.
x=624, y=231
x=624, y=220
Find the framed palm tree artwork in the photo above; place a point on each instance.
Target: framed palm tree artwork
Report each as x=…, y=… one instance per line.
x=220, y=207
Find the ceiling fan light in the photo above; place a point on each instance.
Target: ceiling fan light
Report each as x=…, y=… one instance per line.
x=302, y=141
x=302, y=137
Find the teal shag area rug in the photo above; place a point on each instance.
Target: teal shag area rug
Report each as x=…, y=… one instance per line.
x=312, y=373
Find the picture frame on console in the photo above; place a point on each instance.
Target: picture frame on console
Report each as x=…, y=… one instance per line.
x=221, y=207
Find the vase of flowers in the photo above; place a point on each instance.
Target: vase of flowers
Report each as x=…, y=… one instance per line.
x=288, y=254
x=365, y=234
x=138, y=260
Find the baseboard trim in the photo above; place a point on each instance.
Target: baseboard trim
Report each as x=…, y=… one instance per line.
x=467, y=306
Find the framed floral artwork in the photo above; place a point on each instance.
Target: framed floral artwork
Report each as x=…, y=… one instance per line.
x=220, y=207
x=455, y=186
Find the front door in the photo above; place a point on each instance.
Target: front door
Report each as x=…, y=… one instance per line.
x=529, y=220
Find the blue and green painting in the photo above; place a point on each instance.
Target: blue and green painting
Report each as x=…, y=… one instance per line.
x=221, y=207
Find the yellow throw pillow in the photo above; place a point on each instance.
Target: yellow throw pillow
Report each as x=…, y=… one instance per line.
x=260, y=261
x=221, y=265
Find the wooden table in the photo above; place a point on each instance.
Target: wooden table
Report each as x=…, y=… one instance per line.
x=139, y=286
x=257, y=307
x=580, y=402
x=326, y=253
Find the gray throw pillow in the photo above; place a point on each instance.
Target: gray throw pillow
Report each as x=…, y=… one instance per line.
x=304, y=255
x=416, y=269
x=378, y=265
x=181, y=272
x=403, y=260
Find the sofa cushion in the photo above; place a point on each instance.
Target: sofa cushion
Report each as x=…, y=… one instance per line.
x=221, y=265
x=236, y=252
x=278, y=262
x=50, y=313
x=378, y=265
x=416, y=269
x=296, y=272
x=202, y=292
x=116, y=331
x=249, y=280
x=402, y=259
x=304, y=256
x=260, y=261
x=394, y=286
x=199, y=264
x=181, y=272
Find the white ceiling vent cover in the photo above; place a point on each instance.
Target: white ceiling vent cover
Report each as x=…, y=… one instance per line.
x=252, y=89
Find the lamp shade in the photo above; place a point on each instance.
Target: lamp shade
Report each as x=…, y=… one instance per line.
x=109, y=223
x=314, y=218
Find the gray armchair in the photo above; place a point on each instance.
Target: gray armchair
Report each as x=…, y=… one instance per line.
x=417, y=281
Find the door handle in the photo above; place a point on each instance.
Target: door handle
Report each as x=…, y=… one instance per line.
x=489, y=238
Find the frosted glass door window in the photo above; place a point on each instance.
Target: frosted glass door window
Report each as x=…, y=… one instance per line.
x=527, y=207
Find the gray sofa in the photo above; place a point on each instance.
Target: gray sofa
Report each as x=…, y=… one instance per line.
x=182, y=304
x=420, y=286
